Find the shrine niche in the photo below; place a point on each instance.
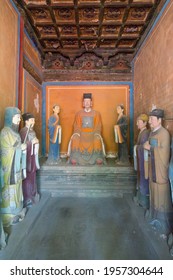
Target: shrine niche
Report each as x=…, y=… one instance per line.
x=69, y=98
x=64, y=30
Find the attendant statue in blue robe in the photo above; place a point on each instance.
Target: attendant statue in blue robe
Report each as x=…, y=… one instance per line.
x=54, y=128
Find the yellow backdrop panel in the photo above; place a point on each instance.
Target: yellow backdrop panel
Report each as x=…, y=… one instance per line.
x=105, y=100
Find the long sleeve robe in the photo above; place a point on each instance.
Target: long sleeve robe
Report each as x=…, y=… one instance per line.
x=161, y=211
x=11, y=156
x=87, y=143
x=29, y=184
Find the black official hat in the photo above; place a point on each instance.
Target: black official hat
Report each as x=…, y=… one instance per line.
x=87, y=95
x=157, y=113
x=27, y=116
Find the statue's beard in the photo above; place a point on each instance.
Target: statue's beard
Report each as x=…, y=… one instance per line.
x=15, y=127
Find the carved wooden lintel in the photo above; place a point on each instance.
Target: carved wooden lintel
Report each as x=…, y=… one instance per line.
x=85, y=75
x=28, y=67
x=89, y=60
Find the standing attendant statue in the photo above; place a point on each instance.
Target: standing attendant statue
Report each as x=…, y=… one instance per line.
x=170, y=238
x=171, y=170
x=54, y=128
x=3, y=235
x=29, y=184
x=158, y=145
x=120, y=130
x=86, y=146
x=141, y=163
x=13, y=163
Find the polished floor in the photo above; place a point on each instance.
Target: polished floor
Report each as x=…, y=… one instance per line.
x=85, y=229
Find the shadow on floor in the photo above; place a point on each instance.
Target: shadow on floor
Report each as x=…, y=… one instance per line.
x=85, y=229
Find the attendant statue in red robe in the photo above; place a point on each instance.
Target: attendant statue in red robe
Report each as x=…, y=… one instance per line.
x=141, y=163
x=86, y=146
x=29, y=184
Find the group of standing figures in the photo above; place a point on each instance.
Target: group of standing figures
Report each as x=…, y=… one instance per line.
x=19, y=155
x=18, y=165
x=153, y=161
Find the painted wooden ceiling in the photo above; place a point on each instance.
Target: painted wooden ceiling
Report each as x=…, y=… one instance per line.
x=89, y=34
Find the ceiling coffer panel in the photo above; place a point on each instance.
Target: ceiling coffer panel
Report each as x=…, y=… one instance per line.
x=73, y=28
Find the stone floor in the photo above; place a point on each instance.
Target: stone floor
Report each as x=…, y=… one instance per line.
x=85, y=229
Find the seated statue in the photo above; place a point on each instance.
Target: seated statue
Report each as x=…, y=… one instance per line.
x=86, y=146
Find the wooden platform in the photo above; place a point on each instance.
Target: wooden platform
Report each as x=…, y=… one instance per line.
x=86, y=181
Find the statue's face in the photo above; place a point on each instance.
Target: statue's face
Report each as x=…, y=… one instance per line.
x=141, y=124
x=30, y=122
x=56, y=109
x=87, y=103
x=119, y=110
x=16, y=119
x=154, y=122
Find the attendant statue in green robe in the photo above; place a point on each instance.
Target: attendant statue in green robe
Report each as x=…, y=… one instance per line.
x=3, y=235
x=13, y=161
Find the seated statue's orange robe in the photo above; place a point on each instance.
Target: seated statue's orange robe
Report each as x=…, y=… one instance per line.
x=86, y=146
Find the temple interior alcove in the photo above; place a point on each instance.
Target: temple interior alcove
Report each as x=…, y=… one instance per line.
x=52, y=52
x=105, y=99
